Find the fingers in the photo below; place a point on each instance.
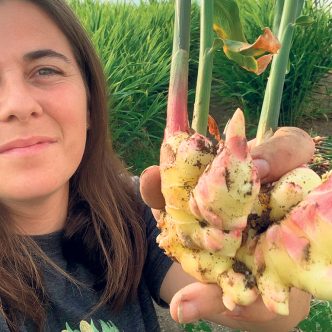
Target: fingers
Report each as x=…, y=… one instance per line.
x=287, y=149
x=196, y=301
x=150, y=187
x=204, y=301
x=256, y=312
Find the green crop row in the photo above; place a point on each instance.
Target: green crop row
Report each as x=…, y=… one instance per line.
x=135, y=44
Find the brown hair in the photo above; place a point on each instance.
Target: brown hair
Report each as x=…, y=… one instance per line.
x=104, y=228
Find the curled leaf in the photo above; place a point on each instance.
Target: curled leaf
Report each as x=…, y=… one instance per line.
x=304, y=20
x=266, y=42
x=263, y=62
x=247, y=62
x=227, y=20
x=213, y=128
x=227, y=25
x=247, y=55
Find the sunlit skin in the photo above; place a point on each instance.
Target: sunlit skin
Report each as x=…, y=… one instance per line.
x=43, y=117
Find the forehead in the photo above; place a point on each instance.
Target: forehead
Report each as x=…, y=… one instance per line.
x=24, y=27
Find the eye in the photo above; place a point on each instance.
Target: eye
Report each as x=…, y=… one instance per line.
x=47, y=71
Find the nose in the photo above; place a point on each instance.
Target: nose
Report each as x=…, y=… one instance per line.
x=17, y=102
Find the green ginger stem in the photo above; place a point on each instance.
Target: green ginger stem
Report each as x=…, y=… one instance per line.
x=204, y=77
x=273, y=94
x=278, y=7
x=177, y=111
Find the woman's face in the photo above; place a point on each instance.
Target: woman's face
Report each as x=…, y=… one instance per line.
x=43, y=105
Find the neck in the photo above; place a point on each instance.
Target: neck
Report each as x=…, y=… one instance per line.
x=42, y=215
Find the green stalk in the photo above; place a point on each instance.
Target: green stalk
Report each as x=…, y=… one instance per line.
x=177, y=111
x=204, y=77
x=279, y=5
x=273, y=94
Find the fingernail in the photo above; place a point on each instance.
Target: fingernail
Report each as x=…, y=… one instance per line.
x=263, y=167
x=187, y=312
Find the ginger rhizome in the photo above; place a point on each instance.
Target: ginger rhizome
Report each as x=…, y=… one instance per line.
x=223, y=229
x=202, y=184
x=296, y=251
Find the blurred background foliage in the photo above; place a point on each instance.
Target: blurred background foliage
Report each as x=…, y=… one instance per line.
x=135, y=43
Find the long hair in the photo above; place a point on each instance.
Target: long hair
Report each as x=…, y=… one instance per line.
x=104, y=229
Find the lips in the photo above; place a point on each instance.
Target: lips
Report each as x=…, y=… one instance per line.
x=25, y=143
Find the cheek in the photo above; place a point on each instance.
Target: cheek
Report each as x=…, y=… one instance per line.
x=73, y=125
x=67, y=109
x=68, y=105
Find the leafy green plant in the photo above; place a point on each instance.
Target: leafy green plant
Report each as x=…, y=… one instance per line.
x=200, y=326
x=307, y=65
x=134, y=43
x=310, y=61
x=320, y=318
x=229, y=36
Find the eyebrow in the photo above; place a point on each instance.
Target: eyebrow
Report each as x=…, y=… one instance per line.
x=45, y=53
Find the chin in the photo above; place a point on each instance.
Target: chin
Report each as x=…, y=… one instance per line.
x=37, y=191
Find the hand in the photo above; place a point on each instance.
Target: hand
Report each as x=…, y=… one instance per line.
x=287, y=149
x=203, y=301
x=191, y=300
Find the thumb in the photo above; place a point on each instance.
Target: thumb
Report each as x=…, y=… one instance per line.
x=150, y=187
x=287, y=149
x=197, y=301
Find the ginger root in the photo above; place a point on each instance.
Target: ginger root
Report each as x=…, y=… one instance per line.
x=224, y=228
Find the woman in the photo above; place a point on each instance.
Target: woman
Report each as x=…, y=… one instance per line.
x=76, y=243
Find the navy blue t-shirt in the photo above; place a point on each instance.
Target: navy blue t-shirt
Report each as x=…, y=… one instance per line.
x=70, y=303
